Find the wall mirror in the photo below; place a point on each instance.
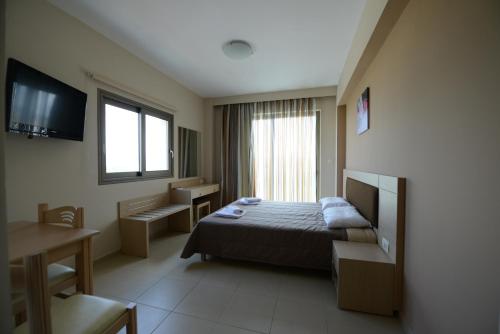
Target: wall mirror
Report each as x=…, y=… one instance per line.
x=189, y=153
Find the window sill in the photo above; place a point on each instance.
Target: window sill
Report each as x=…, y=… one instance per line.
x=106, y=181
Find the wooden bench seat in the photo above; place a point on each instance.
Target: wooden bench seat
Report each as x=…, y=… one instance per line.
x=160, y=213
x=136, y=215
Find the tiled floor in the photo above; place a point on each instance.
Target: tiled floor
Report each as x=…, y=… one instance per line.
x=177, y=296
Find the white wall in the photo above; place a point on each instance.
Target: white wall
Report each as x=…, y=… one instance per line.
x=435, y=119
x=65, y=172
x=326, y=102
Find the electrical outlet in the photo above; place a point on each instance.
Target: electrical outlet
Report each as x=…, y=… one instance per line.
x=385, y=245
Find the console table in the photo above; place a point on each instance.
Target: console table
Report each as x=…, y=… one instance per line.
x=193, y=191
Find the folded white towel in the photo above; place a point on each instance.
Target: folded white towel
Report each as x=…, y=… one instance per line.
x=230, y=211
x=249, y=200
x=234, y=209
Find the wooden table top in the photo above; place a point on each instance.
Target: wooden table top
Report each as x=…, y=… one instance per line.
x=198, y=186
x=29, y=238
x=361, y=251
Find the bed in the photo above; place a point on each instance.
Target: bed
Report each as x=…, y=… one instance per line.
x=282, y=233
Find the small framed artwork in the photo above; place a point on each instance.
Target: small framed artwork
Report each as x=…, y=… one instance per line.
x=363, y=111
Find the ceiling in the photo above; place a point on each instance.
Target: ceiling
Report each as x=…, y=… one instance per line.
x=298, y=43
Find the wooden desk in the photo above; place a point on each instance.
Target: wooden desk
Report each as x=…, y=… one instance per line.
x=186, y=195
x=29, y=238
x=191, y=191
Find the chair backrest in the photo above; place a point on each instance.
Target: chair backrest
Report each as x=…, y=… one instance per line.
x=64, y=215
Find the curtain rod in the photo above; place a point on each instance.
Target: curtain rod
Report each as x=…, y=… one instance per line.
x=131, y=91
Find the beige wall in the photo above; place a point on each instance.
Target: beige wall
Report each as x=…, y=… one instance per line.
x=435, y=119
x=328, y=146
x=65, y=172
x=4, y=279
x=369, y=19
x=327, y=104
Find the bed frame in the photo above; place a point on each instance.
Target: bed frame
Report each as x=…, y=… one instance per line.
x=391, y=219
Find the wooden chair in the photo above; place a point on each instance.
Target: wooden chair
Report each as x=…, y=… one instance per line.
x=60, y=277
x=76, y=314
x=201, y=210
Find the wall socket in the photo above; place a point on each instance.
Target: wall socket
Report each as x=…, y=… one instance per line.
x=385, y=245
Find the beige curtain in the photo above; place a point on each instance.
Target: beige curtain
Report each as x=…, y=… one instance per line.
x=233, y=168
x=284, y=136
x=266, y=149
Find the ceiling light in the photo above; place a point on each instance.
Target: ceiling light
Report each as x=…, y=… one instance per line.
x=238, y=50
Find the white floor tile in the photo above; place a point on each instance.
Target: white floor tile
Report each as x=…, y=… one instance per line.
x=206, y=301
x=255, y=322
x=223, y=329
x=167, y=293
x=252, y=312
x=313, y=289
x=148, y=318
x=192, y=271
x=260, y=283
x=222, y=276
x=286, y=327
x=227, y=297
x=303, y=313
x=125, y=285
x=183, y=324
x=350, y=322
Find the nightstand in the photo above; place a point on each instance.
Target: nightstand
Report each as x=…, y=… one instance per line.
x=364, y=277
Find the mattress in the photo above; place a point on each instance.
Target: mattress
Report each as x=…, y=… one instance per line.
x=280, y=233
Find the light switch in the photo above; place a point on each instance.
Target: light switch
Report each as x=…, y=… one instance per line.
x=385, y=245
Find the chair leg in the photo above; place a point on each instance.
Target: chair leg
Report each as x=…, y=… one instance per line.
x=132, y=319
x=20, y=317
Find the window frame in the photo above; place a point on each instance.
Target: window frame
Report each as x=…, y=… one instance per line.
x=105, y=97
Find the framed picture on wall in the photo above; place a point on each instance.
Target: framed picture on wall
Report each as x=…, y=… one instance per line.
x=363, y=114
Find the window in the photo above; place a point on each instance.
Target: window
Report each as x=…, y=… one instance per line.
x=285, y=153
x=135, y=141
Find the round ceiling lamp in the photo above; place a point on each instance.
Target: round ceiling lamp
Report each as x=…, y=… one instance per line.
x=237, y=49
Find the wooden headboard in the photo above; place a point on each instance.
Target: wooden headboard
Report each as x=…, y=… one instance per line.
x=391, y=215
x=364, y=197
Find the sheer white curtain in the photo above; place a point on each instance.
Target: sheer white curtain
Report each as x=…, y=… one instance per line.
x=284, y=150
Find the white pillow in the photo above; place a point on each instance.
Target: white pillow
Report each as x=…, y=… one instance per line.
x=344, y=217
x=329, y=202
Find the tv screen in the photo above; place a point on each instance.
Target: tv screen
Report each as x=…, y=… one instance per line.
x=39, y=105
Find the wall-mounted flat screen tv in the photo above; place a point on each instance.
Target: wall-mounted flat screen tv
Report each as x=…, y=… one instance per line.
x=39, y=105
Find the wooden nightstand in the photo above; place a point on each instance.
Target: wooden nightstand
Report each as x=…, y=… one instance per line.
x=364, y=277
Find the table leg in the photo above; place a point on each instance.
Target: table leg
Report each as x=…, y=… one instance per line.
x=84, y=268
x=80, y=270
x=90, y=267
x=37, y=298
